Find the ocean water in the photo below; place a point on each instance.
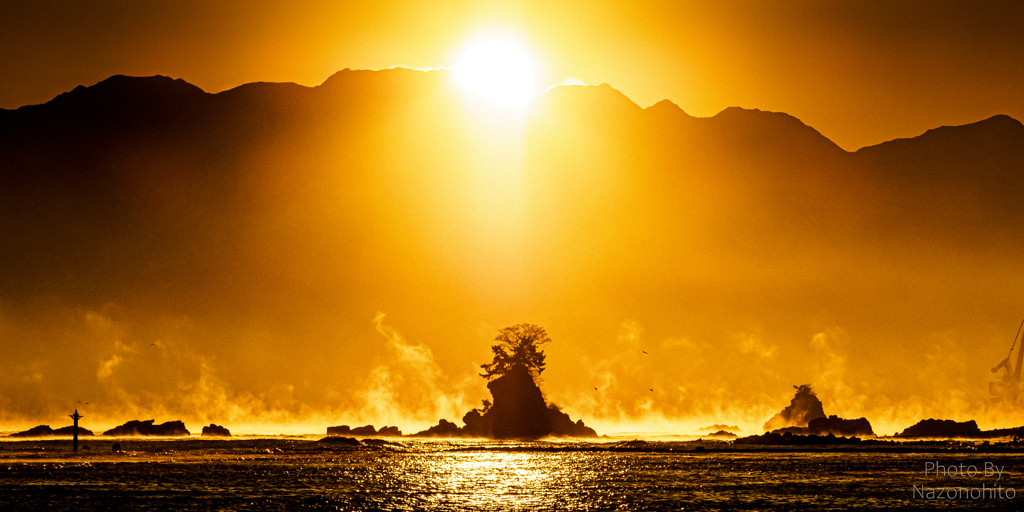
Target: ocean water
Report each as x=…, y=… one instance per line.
x=304, y=473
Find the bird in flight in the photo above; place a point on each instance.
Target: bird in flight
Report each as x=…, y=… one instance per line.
x=644, y=351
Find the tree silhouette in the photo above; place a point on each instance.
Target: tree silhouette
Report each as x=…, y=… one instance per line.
x=517, y=347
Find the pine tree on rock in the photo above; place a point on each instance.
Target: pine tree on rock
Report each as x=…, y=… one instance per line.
x=518, y=346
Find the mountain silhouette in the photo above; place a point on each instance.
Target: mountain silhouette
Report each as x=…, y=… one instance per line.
x=280, y=209
x=154, y=169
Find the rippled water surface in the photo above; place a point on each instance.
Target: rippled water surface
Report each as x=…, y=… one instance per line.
x=298, y=474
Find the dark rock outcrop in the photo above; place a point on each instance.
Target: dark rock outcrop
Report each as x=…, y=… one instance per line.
x=1015, y=432
x=803, y=431
x=804, y=407
x=717, y=427
x=840, y=426
x=364, y=431
x=723, y=433
x=341, y=440
x=519, y=411
x=70, y=431
x=147, y=428
x=444, y=428
x=387, y=431
x=367, y=430
x=563, y=426
x=46, y=431
x=214, y=430
x=340, y=430
x=789, y=438
x=942, y=429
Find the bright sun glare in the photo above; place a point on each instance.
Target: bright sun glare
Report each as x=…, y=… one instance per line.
x=498, y=71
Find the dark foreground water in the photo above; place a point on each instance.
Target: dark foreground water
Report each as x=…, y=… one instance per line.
x=306, y=474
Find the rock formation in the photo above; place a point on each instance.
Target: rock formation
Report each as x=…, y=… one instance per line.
x=804, y=407
x=723, y=433
x=444, y=428
x=789, y=438
x=367, y=430
x=46, y=431
x=387, y=431
x=519, y=411
x=364, y=431
x=717, y=427
x=942, y=428
x=341, y=441
x=147, y=428
x=214, y=430
x=840, y=426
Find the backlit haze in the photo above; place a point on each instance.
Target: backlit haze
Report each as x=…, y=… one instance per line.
x=344, y=251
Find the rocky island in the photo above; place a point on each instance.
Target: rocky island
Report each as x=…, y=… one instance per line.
x=147, y=428
x=46, y=431
x=519, y=409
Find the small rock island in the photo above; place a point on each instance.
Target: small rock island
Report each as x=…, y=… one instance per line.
x=147, y=428
x=214, y=430
x=519, y=410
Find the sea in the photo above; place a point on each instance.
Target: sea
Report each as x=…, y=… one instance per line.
x=318, y=473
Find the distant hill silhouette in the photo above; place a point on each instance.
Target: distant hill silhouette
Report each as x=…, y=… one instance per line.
x=284, y=215
x=214, y=188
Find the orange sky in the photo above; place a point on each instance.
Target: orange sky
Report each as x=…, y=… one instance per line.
x=860, y=72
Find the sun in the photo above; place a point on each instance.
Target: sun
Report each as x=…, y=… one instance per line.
x=498, y=71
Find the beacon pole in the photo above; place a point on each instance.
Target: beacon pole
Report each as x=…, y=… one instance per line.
x=76, y=417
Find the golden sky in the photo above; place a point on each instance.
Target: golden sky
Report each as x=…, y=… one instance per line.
x=861, y=72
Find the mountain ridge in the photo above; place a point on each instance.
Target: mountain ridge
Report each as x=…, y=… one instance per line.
x=279, y=219
x=146, y=91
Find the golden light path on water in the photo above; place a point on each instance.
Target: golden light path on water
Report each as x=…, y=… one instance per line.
x=290, y=473
x=496, y=478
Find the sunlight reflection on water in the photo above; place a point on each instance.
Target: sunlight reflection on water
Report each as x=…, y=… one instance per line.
x=281, y=474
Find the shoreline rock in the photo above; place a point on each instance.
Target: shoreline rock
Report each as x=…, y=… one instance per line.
x=949, y=429
x=364, y=431
x=942, y=428
x=46, y=431
x=214, y=430
x=804, y=407
x=723, y=433
x=788, y=438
